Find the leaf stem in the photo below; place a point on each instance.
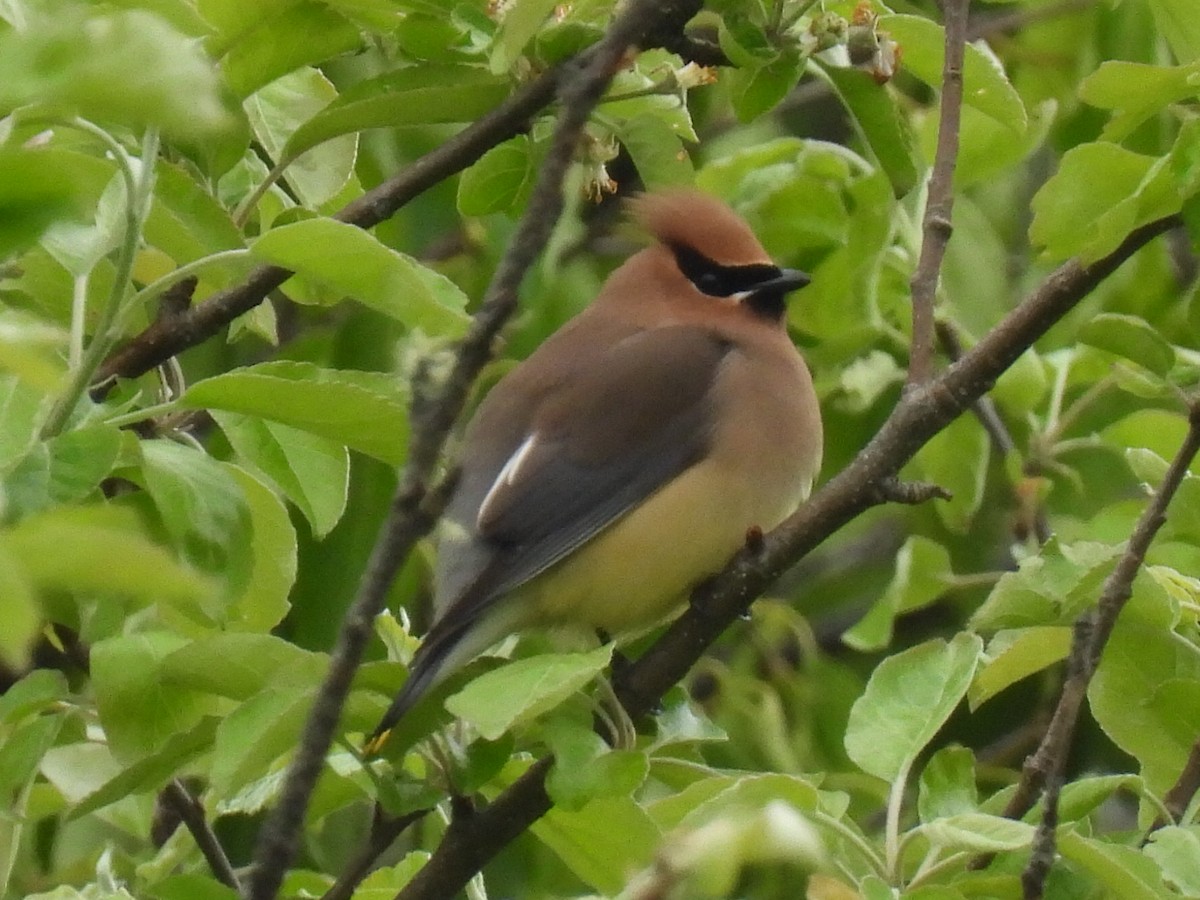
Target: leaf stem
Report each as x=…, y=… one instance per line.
x=138, y=192
x=243, y=211
x=892, y=829
x=141, y=415
x=853, y=837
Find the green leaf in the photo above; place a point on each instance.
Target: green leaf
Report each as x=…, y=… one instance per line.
x=263, y=602
x=30, y=348
x=1099, y=194
x=985, y=85
x=1022, y=386
x=240, y=665
x=33, y=695
x=354, y=263
x=1051, y=588
x=1177, y=23
x=657, y=152
x=884, y=130
x=759, y=89
x=708, y=797
x=201, y=504
x=33, y=193
x=288, y=36
x=524, y=689
x=978, y=833
x=1015, y=654
x=311, y=471
x=277, y=109
x=1176, y=849
x=599, y=843
x=1123, y=871
x=151, y=772
x=586, y=768
x=73, y=548
x=956, y=458
x=254, y=735
x=521, y=22
x=947, y=786
x=19, y=610
x=21, y=753
x=921, y=577
x=365, y=411
x=20, y=418
x=1130, y=337
x=1083, y=796
x=1158, y=430
x=418, y=95
x=140, y=711
x=123, y=66
x=499, y=180
x=909, y=697
x=80, y=460
x=188, y=223
x=1124, y=695
x=193, y=886
x=1136, y=92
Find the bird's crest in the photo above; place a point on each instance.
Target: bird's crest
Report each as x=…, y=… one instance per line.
x=688, y=218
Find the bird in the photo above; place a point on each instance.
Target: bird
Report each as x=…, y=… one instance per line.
x=632, y=454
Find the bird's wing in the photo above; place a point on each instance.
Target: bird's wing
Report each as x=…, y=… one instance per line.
x=606, y=438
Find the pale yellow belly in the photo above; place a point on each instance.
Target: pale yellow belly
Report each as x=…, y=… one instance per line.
x=639, y=571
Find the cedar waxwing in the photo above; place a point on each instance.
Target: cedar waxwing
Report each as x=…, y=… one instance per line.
x=628, y=457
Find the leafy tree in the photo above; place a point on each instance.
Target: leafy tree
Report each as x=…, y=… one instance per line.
x=256, y=257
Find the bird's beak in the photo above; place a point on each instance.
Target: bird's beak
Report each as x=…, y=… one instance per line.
x=787, y=280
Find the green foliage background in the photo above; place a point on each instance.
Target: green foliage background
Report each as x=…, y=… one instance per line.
x=175, y=560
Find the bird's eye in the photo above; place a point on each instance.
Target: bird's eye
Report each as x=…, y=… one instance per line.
x=710, y=283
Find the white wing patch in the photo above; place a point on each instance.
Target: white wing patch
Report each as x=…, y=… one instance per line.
x=507, y=475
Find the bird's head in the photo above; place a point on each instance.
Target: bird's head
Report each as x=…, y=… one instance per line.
x=708, y=248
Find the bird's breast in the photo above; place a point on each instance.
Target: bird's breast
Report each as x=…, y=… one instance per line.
x=764, y=455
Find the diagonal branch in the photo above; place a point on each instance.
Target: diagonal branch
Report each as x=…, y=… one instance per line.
x=1090, y=634
x=414, y=508
x=191, y=812
x=921, y=413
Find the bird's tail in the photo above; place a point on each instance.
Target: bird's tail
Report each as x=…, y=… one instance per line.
x=430, y=664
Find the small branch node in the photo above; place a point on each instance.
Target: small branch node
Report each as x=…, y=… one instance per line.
x=177, y=299
x=910, y=493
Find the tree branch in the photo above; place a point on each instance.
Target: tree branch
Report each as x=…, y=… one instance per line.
x=414, y=509
x=190, y=811
x=939, y=199
x=1090, y=634
x=920, y=414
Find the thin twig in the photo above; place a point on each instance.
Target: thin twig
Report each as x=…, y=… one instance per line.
x=190, y=811
x=1091, y=633
x=939, y=200
x=1179, y=797
x=384, y=831
x=921, y=413
x=412, y=513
